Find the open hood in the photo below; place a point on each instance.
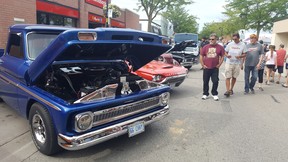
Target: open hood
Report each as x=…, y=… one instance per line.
x=181, y=46
x=138, y=48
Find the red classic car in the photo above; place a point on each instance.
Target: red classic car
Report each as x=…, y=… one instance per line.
x=164, y=70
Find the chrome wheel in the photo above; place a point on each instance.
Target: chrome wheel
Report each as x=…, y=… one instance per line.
x=38, y=128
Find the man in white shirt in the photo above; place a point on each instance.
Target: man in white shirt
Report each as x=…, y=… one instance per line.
x=235, y=52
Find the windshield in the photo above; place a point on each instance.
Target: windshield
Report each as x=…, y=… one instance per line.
x=37, y=42
x=185, y=36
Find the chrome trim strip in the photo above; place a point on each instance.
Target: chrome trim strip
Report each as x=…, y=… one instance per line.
x=104, y=134
x=32, y=94
x=120, y=108
x=172, y=77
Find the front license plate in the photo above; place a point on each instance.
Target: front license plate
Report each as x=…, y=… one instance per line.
x=136, y=128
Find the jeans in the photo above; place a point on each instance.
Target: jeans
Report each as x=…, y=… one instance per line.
x=249, y=84
x=260, y=75
x=214, y=74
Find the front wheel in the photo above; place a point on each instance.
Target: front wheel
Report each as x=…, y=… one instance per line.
x=42, y=130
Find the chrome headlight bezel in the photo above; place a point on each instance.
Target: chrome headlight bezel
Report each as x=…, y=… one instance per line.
x=157, y=78
x=164, y=99
x=83, y=117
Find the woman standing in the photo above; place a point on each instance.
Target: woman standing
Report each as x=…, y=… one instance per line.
x=271, y=61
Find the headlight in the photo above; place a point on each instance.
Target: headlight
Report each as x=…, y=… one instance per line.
x=83, y=121
x=157, y=78
x=145, y=85
x=164, y=98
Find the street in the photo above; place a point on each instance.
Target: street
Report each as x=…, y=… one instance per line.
x=241, y=128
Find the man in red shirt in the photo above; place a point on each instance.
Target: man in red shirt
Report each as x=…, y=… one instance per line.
x=280, y=62
x=211, y=58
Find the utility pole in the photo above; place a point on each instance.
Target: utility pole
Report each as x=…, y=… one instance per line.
x=107, y=19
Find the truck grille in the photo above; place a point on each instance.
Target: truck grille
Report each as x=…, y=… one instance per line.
x=115, y=113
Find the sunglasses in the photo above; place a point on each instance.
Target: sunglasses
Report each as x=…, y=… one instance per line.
x=211, y=39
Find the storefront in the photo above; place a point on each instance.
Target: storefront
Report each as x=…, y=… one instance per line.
x=96, y=21
x=72, y=13
x=54, y=14
x=117, y=24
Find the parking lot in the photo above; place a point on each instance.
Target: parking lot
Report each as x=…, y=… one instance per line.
x=240, y=128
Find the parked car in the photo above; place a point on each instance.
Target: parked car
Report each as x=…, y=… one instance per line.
x=189, y=51
x=164, y=70
x=74, y=85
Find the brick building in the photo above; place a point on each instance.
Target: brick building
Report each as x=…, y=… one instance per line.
x=74, y=13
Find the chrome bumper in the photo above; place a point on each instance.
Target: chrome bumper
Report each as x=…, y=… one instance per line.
x=101, y=135
x=174, y=79
x=186, y=63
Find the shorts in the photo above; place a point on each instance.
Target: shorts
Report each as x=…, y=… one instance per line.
x=232, y=70
x=279, y=69
x=270, y=66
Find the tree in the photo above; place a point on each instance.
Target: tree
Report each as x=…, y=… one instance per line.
x=224, y=28
x=181, y=20
x=115, y=10
x=153, y=7
x=257, y=14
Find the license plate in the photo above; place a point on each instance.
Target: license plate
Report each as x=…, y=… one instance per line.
x=136, y=128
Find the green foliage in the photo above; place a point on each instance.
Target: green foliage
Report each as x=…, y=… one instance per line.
x=153, y=7
x=224, y=28
x=181, y=20
x=115, y=10
x=256, y=14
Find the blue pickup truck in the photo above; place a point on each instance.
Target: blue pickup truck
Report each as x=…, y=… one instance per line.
x=75, y=86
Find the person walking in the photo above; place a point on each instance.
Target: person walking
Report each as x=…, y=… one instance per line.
x=211, y=58
x=286, y=67
x=252, y=61
x=262, y=67
x=271, y=62
x=204, y=42
x=281, y=53
x=234, y=52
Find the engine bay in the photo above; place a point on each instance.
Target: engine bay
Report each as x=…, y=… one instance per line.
x=85, y=82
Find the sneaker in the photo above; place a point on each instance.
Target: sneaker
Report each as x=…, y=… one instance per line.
x=285, y=85
x=252, y=91
x=231, y=92
x=272, y=81
x=227, y=93
x=246, y=92
x=261, y=89
x=216, y=98
x=204, y=97
x=277, y=82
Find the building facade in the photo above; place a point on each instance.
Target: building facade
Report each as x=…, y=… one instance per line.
x=280, y=34
x=72, y=13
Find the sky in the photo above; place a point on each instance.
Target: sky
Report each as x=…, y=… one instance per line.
x=206, y=10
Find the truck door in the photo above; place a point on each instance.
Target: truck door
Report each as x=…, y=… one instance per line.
x=10, y=63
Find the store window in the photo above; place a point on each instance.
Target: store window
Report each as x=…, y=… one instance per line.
x=52, y=19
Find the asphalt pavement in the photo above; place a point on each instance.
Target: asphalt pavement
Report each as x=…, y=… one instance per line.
x=241, y=128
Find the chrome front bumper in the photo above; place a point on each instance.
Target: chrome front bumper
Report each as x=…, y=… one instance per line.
x=174, y=80
x=104, y=134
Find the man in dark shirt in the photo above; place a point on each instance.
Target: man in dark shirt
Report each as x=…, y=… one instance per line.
x=204, y=42
x=211, y=58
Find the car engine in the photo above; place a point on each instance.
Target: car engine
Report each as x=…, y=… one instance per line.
x=75, y=82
